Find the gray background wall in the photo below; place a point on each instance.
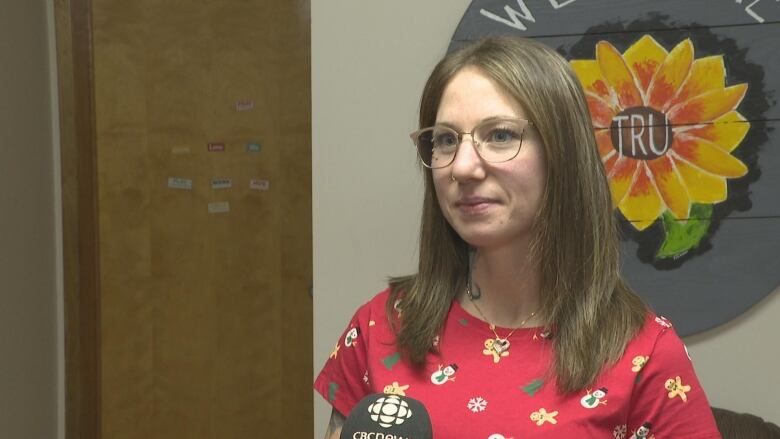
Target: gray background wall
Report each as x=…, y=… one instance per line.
x=369, y=63
x=30, y=304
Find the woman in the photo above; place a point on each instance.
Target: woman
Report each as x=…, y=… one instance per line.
x=517, y=322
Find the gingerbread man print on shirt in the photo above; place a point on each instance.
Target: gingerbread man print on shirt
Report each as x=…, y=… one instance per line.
x=541, y=416
x=492, y=350
x=676, y=388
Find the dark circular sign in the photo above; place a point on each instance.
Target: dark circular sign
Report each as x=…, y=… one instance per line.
x=682, y=100
x=641, y=133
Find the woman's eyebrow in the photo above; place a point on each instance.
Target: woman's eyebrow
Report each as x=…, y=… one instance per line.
x=487, y=119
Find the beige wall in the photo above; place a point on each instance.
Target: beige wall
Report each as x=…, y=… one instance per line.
x=30, y=328
x=369, y=63
x=370, y=60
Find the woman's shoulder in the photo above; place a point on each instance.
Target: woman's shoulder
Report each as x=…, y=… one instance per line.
x=374, y=309
x=656, y=334
x=378, y=302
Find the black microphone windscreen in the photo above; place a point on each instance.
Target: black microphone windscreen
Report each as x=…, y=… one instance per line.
x=379, y=416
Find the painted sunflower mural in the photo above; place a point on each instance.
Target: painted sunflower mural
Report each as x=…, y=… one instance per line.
x=666, y=126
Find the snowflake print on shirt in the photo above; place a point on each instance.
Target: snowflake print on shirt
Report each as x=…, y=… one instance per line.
x=620, y=431
x=477, y=404
x=498, y=436
x=663, y=321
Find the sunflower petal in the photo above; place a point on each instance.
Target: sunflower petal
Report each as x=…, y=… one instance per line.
x=671, y=75
x=642, y=205
x=703, y=187
x=592, y=81
x=707, y=74
x=726, y=131
x=609, y=162
x=621, y=175
x=643, y=58
x=707, y=156
x=604, y=142
x=708, y=106
x=600, y=111
x=617, y=74
x=670, y=186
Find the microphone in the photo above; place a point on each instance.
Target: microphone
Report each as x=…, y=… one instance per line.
x=382, y=416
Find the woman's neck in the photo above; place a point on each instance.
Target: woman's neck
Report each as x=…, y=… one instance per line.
x=509, y=285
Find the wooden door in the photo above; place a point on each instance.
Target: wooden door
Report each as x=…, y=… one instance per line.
x=202, y=169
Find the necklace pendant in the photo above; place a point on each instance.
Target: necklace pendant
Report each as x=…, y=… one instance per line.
x=501, y=345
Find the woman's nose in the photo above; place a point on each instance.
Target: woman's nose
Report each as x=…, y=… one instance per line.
x=467, y=164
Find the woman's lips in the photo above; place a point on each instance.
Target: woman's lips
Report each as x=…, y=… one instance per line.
x=474, y=205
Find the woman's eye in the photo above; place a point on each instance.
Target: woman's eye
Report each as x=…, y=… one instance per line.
x=445, y=139
x=501, y=136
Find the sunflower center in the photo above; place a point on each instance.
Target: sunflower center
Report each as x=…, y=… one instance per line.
x=642, y=133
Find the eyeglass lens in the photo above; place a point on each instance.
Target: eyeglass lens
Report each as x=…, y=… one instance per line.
x=494, y=140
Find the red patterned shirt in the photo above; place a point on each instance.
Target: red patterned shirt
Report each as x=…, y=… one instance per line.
x=473, y=392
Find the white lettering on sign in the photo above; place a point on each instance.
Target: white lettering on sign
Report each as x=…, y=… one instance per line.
x=636, y=137
x=751, y=12
x=375, y=435
x=515, y=16
x=637, y=126
x=557, y=5
x=652, y=136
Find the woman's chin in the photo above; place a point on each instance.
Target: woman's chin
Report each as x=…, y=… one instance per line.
x=487, y=239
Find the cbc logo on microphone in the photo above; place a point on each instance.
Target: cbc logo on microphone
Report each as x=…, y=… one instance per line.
x=389, y=410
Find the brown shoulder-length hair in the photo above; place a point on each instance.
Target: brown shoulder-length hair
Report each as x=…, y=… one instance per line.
x=592, y=311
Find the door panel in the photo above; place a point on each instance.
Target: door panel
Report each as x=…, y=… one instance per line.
x=205, y=318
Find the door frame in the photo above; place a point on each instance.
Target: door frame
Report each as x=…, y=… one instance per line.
x=75, y=68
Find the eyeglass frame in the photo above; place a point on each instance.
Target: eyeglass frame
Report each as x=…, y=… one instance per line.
x=415, y=135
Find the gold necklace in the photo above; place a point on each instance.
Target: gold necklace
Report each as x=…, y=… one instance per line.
x=500, y=345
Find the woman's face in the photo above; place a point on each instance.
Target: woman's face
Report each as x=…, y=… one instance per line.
x=489, y=205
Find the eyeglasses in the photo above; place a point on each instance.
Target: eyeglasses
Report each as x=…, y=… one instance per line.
x=495, y=140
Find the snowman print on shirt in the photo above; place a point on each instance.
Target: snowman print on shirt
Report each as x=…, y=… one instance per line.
x=643, y=431
x=592, y=400
x=441, y=376
x=498, y=436
x=351, y=337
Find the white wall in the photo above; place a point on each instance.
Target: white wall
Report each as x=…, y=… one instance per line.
x=370, y=60
x=30, y=323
